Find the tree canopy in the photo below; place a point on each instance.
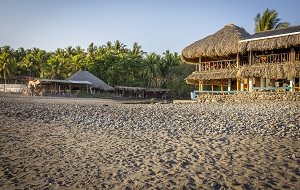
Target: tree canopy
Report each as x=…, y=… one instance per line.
x=113, y=62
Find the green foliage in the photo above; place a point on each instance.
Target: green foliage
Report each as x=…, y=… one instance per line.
x=269, y=21
x=113, y=63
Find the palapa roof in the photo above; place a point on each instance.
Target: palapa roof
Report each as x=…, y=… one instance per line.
x=276, y=71
x=222, y=43
x=207, y=75
x=272, y=39
x=87, y=76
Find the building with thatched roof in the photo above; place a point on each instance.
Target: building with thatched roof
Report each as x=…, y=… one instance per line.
x=233, y=60
x=96, y=83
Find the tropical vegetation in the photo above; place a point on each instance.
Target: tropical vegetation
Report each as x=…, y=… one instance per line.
x=268, y=21
x=113, y=63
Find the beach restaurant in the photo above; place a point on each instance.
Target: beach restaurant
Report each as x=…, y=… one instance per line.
x=231, y=61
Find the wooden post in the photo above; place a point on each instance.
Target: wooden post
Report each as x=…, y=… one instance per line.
x=229, y=84
x=222, y=85
x=262, y=82
x=242, y=84
x=292, y=82
x=200, y=66
x=250, y=84
x=250, y=57
x=238, y=61
x=199, y=85
x=292, y=55
x=212, y=86
x=237, y=84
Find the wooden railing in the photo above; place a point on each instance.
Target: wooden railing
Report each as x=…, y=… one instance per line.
x=280, y=58
x=272, y=58
x=218, y=65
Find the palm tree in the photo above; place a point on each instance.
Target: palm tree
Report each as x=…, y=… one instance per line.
x=137, y=50
x=152, y=70
x=55, y=68
x=7, y=65
x=119, y=47
x=269, y=21
x=91, y=50
x=28, y=63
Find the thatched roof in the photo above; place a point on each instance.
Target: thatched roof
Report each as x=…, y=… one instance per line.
x=223, y=43
x=87, y=76
x=208, y=75
x=129, y=88
x=140, y=89
x=277, y=71
x=273, y=39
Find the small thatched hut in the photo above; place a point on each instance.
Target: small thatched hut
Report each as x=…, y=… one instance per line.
x=233, y=60
x=96, y=83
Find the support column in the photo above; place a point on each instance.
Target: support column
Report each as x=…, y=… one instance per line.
x=292, y=83
x=202, y=84
x=200, y=66
x=292, y=55
x=250, y=57
x=222, y=85
x=237, y=84
x=262, y=82
x=242, y=84
x=237, y=61
x=199, y=85
x=229, y=84
x=212, y=85
x=250, y=84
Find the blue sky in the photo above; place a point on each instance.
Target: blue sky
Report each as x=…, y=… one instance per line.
x=156, y=25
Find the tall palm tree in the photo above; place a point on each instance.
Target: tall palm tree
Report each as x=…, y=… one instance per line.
x=119, y=47
x=91, y=50
x=137, y=50
x=55, y=68
x=28, y=63
x=152, y=70
x=7, y=65
x=269, y=21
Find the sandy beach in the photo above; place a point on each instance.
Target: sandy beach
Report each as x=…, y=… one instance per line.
x=64, y=143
